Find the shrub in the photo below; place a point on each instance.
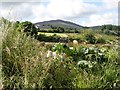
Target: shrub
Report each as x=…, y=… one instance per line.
x=90, y=38
x=101, y=40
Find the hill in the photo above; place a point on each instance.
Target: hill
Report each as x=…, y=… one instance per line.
x=58, y=23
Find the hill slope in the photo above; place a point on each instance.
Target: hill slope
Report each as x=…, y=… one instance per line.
x=58, y=23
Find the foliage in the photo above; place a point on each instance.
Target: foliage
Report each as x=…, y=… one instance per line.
x=28, y=27
x=61, y=75
x=25, y=65
x=82, y=53
x=21, y=60
x=101, y=40
x=110, y=29
x=90, y=38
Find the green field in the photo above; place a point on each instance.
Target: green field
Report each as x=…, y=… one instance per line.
x=59, y=34
x=81, y=35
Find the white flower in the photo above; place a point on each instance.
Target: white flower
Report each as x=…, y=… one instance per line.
x=111, y=42
x=90, y=65
x=49, y=54
x=83, y=62
x=54, y=54
x=94, y=63
x=71, y=48
x=91, y=48
x=86, y=51
x=114, y=84
x=100, y=54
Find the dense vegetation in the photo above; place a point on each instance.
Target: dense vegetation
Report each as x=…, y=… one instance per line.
x=111, y=29
x=29, y=63
x=106, y=29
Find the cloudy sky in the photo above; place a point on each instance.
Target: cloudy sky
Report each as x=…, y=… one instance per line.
x=82, y=12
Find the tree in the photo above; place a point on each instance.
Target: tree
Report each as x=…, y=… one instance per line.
x=109, y=27
x=103, y=27
x=118, y=31
x=76, y=31
x=60, y=29
x=29, y=28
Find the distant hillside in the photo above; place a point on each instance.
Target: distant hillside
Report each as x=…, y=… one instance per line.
x=95, y=27
x=58, y=23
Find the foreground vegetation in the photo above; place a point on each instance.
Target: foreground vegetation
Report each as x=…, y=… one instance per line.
x=28, y=63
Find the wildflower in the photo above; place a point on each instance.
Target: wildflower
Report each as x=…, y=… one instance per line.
x=90, y=65
x=94, y=63
x=71, y=48
x=83, y=62
x=100, y=54
x=114, y=84
x=49, y=54
x=86, y=51
x=54, y=54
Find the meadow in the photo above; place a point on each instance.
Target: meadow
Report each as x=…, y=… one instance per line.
x=81, y=35
x=89, y=60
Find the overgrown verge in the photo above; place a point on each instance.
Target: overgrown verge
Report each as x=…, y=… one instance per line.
x=26, y=65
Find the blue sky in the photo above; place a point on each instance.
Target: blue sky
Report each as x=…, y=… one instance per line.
x=82, y=12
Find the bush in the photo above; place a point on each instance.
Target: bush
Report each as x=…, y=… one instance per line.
x=90, y=38
x=101, y=40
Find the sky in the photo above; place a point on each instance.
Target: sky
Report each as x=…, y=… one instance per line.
x=82, y=12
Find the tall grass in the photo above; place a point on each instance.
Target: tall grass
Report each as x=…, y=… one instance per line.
x=24, y=65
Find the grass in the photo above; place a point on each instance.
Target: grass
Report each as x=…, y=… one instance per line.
x=81, y=35
x=100, y=38
x=59, y=34
x=24, y=65
x=21, y=60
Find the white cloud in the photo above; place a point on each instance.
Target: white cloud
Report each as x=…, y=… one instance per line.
x=64, y=9
x=109, y=4
x=16, y=11
x=70, y=10
x=108, y=18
